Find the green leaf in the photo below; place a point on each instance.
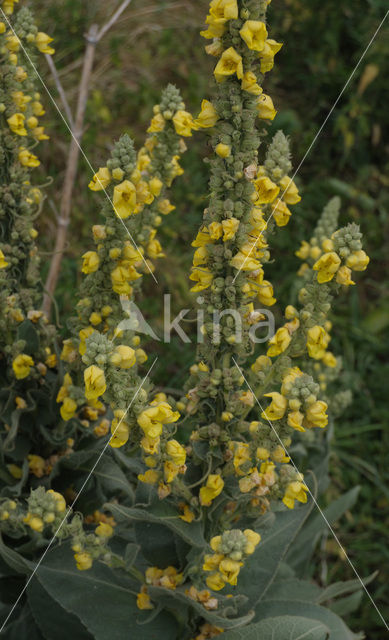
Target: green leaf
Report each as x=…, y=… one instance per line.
x=340, y=588
x=302, y=549
x=54, y=622
x=293, y=589
x=226, y=616
x=272, y=608
x=26, y=331
x=261, y=568
x=23, y=626
x=110, y=475
x=162, y=513
x=15, y=560
x=104, y=600
x=280, y=628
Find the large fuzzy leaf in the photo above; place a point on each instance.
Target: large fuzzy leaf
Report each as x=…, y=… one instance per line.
x=104, y=600
x=261, y=568
x=54, y=622
x=280, y=628
x=162, y=513
x=273, y=608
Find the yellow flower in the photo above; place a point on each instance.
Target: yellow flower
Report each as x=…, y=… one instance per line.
x=276, y=409
x=203, y=277
x=119, y=279
x=208, y=115
x=16, y=124
x=27, y=159
x=3, y=262
x=83, y=561
x=215, y=581
x=223, y=10
x=8, y=6
x=39, y=134
x=123, y=357
x=229, y=570
x=215, y=230
x=200, y=256
x=253, y=539
x=212, y=561
x=91, y=262
x=183, y=123
x=124, y=199
x=316, y=415
x=249, y=83
x=241, y=457
x=211, y=490
x=104, y=530
x=170, y=471
x=143, y=601
x=21, y=101
x=149, y=477
x=95, y=384
x=84, y=334
x=244, y=261
x=327, y=266
x=265, y=294
x=304, y=250
x=37, y=108
x=202, y=238
x=188, y=515
x=154, y=249
x=230, y=63
x=261, y=363
x=152, y=419
x=343, y=276
x=119, y=429
x=290, y=193
x=268, y=52
x=223, y=150
x=176, y=452
x=42, y=41
x=295, y=420
x=34, y=522
x=254, y=33
x=68, y=408
x=100, y=180
x=265, y=107
x=230, y=227
x=36, y=465
x=165, y=207
x=157, y=124
x=295, y=491
x=317, y=342
x=358, y=260
x=155, y=186
x=22, y=366
x=329, y=359
x=266, y=190
x=279, y=342
x=281, y=213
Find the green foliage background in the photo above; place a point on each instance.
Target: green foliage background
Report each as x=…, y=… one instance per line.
x=156, y=42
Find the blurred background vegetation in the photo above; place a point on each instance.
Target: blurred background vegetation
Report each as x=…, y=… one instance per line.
x=156, y=42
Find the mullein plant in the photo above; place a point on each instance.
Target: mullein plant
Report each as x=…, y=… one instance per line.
x=28, y=361
x=198, y=547
x=106, y=347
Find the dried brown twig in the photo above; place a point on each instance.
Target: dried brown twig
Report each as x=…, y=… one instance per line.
x=76, y=128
